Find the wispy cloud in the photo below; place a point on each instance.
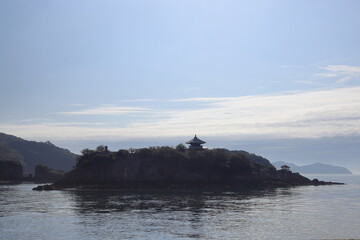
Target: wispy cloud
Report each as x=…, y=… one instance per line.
x=141, y=100
x=325, y=113
x=192, y=89
x=77, y=104
x=106, y=110
x=292, y=66
x=201, y=99
x=308, y=82
x=344, y=73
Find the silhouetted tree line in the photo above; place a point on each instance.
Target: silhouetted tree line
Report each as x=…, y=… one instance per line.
x=175, y=166
x=156, y=164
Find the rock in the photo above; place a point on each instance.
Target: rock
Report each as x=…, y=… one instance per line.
x=316, y=182
x=44, y=188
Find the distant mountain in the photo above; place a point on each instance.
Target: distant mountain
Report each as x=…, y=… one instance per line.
x=31, y=153
x=316, y=168
x=11, y=164
x=8, y=154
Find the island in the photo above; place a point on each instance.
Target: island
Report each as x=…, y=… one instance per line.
x=315, y=168
x=172, y=168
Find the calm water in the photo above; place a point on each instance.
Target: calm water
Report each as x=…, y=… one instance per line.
x=324, y=212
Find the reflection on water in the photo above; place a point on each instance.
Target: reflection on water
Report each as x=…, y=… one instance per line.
x=172, y=214
x=165, y=201
x=284, y=213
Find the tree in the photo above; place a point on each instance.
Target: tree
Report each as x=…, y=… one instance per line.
x=86, y=151
x=122, y=153
x=180, y=147
x=101, y=148
x=285, y=167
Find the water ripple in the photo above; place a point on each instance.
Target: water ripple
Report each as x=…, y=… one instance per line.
x=325, y=212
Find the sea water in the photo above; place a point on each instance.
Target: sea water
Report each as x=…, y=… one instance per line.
x=307, y=212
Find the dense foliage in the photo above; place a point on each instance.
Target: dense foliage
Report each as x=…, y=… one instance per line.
x=168, y=167
x=163, y=164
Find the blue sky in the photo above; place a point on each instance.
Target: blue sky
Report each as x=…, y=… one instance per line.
x=95, y=72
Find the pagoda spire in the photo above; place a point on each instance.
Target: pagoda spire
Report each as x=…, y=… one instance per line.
x=195, y=143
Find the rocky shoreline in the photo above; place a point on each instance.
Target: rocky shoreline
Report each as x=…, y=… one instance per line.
x=179, y=186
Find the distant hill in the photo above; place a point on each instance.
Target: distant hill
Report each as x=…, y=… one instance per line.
x=11, y=164
x=316, y=168
x=254, y=158
x=8, y=154
x=31, y=153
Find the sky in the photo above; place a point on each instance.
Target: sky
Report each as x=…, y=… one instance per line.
x=277, y=78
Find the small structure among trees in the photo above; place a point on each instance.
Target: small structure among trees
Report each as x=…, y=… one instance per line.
x=99, y=149
x=195, y=143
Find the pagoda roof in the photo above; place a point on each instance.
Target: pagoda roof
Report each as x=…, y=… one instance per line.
x=195, y=140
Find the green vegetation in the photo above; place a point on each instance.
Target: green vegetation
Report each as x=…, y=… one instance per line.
x=163, y=165
x=179, y=167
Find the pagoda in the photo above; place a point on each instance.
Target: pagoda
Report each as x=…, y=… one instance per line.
x=195, y=143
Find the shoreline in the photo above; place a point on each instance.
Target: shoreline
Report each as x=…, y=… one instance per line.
x=179, y=186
